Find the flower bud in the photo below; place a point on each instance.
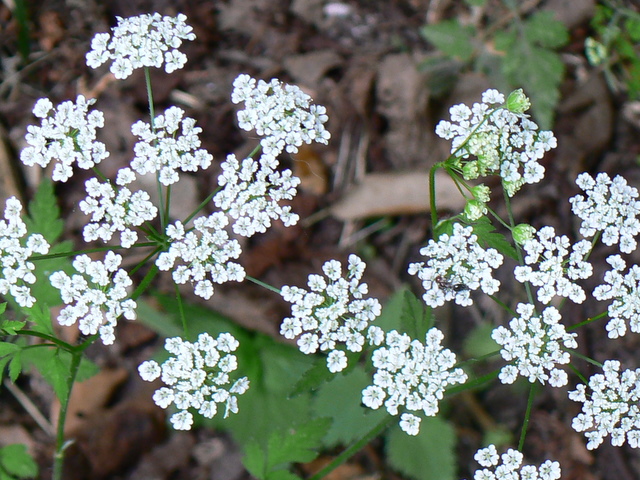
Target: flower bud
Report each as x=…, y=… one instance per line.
x=517, y=102
x=474, y=209
x=523, y=232
x=481, y=193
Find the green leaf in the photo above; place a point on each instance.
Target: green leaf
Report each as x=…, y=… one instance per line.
x=351, y=421
x=427, y=456
x=15, y=366
x=488, y=237
x=11, y=327
x=7, y=348
x=313, y=378
x=282, y=475
x=546, y=31
x=44, y=213
x=40, y=315
x=416, y=317
x=297, y=444
x=451, y=38
x=479, y=342
x=3, y=307
x=16, y=461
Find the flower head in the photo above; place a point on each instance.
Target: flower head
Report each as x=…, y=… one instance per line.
x=534, y=345
x=67, y=135
x=490, y=139
x=511, y=466
x=555, y=274
x=611, y=207
x=204, y=254
x=412, y=376
x=115, y=210
x=142, y=41
x=457, y=265
x=611, y=408
x=96, y=296
x=252, y=191
x=624, y=289
x=17, y=271
x=332, y=313
x=170, y=146
x=197, y=376
x=282, y=114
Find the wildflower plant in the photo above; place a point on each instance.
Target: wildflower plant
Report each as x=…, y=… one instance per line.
x=343, y=332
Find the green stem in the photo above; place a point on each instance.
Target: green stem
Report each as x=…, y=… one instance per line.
x=183, y=318
x=262, y=284
x=527, y=416
x=73, y=253
x=61, y=445
x=353, y=449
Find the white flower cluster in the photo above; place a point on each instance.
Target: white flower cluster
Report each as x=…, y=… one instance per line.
x=535, y=345
x=98, y=303
x=612, y=409
x=142, y=41
x=457, y=265
x=625, y=292
x=16, y=268
x=611, y=207
x=251, y=191
x=162, y=150
x=114, y=210
x=280, y=113
x=511, y=467
x=412, y=375
x=332, y=312
x=555, y=274
x=206, y=249
x=66, y=135
x=197, y=377
x=492, y=140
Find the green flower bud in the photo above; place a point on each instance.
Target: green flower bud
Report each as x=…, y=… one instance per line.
x=482, y=193
x=517, y=102
x=595, y=51
x=523, y=232
x=470, y=171
x=474, y=209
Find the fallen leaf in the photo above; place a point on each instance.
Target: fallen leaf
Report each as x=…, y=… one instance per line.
x=383, y=194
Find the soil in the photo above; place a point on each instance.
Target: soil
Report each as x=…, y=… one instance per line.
x=361, y=59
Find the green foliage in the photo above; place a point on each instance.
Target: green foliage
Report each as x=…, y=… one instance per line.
x=15, y=462
x=615, y=46
x=44, y=218
x=427, y=456
x=54, y=364
x=521, y=54
x=488, y=237
x=479, y=342
x=296, y=444
x=351, y=421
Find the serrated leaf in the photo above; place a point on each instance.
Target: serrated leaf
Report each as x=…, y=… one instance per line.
x=3, y=307
x=416, y=316
x=16, y=461
x=44, y=213
x=546, y=31
x=15, y=366
x=504, y=40
x=3, y=363
x=298, y=444
x=7, y=348
x=427, y=456
x=282, y=475
x=41, y=318
x=488, y=237
x=312, y=379
x=451, y=38
x=10, y=327
x=351, y=421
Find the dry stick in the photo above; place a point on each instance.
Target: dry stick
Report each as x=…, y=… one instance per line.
x=30, y=407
